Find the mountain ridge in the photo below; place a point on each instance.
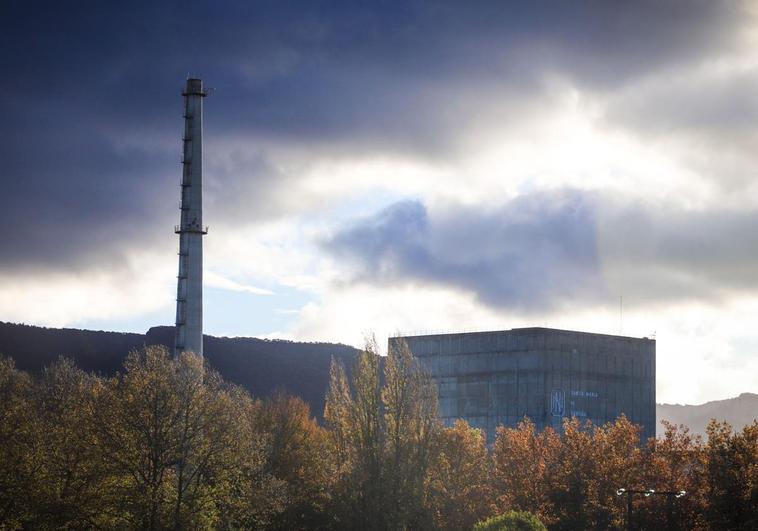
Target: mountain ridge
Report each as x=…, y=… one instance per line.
x=737, y=411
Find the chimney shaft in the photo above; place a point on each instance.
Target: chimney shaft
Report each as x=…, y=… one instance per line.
x=189, y=292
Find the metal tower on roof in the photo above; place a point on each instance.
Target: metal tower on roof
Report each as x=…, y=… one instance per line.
x=189, y=291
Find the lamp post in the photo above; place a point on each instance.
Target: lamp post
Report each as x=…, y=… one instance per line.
x=670, y=495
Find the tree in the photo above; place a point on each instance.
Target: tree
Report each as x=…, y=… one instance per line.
x=383, y=437
x=570, y=480
x=180, y=440
x=524, y=467
x=616, y=456
x=675, y=462
x=410, y=415
x=299, y=456
x=72, y=485
x=17, y=435
x=137, y=421
x=355, y=419
x=732, y=471
x=458, y=484
x=511, y=521
x=248, y=496
x=576, y=466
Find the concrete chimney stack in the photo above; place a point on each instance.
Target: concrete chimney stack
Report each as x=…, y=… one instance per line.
x=189, y=292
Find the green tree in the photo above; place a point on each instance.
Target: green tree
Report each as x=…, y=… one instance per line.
x=247, y=494
x=410, y=416
x=138, y=419
x=383, y=438
x=18, y=428
x=182, y=441
x=72, y=485
x=511, y=521
x=354, y=417
x=732, y=469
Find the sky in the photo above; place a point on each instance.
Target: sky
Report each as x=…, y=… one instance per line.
x=393, y=167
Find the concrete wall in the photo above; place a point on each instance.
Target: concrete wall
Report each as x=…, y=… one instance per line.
x=494, y=378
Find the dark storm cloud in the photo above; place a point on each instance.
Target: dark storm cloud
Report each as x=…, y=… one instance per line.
x=551, y=250
x=69, y=192
x=91, y=112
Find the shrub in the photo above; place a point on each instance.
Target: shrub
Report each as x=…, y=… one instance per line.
x=511, y=521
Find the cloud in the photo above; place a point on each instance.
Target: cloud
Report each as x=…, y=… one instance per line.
x=546, y=251
x=214, y=280
x=661, y=252
x=701, y=116
x=90, y=164
x=528, y=254
x=144, y=285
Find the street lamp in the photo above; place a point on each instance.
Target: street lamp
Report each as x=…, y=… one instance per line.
x=670, y=495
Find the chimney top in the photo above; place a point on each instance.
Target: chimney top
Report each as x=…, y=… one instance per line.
x=194, y=87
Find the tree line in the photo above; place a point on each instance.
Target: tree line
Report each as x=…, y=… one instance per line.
x=167, y=444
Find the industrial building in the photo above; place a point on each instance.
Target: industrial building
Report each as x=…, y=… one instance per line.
x=494, y=378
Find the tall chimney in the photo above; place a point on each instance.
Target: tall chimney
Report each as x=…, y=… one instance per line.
x=189, y=291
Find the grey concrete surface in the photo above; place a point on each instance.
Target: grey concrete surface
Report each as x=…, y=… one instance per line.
x=498, y=378
x=189, y=291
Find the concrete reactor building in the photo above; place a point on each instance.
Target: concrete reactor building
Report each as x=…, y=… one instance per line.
x=189, y=288
x=494, y=378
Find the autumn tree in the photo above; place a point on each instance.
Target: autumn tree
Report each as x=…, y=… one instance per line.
x=524, y=463
x=570, y=479
x=616, y=455
x=297, y=453
x=674, y=462
x=458, y=480
x=576, y=462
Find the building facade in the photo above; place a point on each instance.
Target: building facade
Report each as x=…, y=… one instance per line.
x=494, y=378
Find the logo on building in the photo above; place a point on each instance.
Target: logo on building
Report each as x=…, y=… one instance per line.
x=557, y=402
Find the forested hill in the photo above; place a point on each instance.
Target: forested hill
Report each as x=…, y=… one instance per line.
x=261, y=366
